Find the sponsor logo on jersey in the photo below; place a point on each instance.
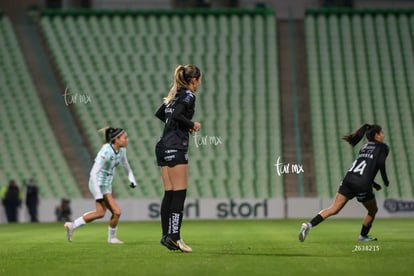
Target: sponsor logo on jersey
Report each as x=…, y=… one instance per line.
x=188, y=97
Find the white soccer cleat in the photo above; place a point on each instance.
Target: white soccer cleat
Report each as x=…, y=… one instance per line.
x=69, y=230
x=115, y=241
x=183, y=247
x=366, y=238
x=304, y=231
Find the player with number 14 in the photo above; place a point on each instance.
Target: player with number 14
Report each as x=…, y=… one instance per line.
x=359, y=180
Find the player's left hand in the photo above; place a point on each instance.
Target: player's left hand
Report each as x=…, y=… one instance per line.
x=132, y=185
x=197, y=126
x=377, y=186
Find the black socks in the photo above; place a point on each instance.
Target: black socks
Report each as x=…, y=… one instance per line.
x=172, y=207
x=316, y=220
x=165, y=211
x=176, y=213
x=365, y=230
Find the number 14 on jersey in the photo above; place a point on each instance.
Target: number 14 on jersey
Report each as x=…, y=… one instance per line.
x=358, y=168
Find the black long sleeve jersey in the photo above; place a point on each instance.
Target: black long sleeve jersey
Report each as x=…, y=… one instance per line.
x=177, y=118
x=371, y=158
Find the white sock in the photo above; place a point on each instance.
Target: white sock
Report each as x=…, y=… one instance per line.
x=78, y=222
x=112, y=232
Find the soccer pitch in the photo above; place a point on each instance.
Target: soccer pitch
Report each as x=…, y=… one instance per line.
x=220, y=247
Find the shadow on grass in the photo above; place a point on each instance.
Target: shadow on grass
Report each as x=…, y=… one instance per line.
x=262, y=254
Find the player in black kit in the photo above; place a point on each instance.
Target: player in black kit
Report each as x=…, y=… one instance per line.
x=359, y=180
x=172, y=151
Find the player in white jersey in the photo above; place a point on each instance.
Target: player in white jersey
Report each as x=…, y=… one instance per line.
x=110, y=156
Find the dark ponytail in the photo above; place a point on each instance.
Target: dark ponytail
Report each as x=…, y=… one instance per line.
x=368, y=130
x=111, y=133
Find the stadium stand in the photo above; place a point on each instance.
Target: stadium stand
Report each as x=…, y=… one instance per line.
x=124, y=60
x=29, y=147
x=359, y=71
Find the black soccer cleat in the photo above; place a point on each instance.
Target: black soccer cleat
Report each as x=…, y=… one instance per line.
x=168, y=243
x=180, y=244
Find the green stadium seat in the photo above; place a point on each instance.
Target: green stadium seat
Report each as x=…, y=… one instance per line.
x=126, y=65
x=356, y=65
x=30, y=154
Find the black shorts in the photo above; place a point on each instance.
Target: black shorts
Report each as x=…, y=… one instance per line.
x=170, y=157
x=350, y=191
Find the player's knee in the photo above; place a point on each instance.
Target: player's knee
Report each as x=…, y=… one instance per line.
x=373, y=211
x=117, y=213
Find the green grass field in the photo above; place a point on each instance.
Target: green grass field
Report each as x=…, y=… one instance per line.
x=245, y=247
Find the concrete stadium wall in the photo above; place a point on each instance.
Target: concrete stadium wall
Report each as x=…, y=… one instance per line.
x=148, y=209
